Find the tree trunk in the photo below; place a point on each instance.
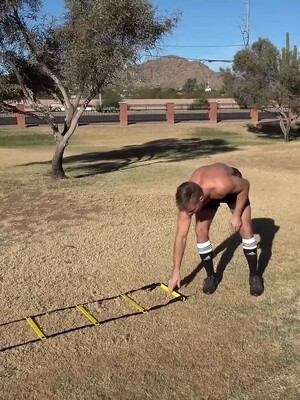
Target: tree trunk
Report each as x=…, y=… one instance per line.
x=285, y=125
x=57, y=162
x=287, y=131
x=287, y=137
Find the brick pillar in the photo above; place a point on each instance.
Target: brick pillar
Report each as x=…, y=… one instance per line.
x=292, y=113
x=123, y=116
x=213, y=112
x=170, y=113
x=254, y=115
x=21, y=120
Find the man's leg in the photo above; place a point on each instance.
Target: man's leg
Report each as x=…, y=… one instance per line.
x=250, y=251
x=203, y=221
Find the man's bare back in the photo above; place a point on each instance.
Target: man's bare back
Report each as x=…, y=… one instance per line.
x=215, y=180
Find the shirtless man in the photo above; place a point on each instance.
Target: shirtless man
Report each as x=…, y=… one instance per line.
x=209, y=186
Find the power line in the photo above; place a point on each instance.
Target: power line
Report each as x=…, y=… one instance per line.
x=209, y=60
x=200, y=46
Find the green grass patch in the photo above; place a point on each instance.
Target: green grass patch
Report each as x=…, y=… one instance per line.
x=24, y=138
x=231, y=138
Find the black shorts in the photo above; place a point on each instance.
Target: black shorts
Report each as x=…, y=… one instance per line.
x=230, y=199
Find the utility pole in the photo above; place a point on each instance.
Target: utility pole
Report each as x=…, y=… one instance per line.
x=246, y=29
x=248, y=24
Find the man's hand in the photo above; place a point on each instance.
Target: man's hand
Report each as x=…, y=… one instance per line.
x=174, y=281
x=236, y=222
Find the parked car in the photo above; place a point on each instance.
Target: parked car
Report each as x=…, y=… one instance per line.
x=57, y=107
x=60, y=107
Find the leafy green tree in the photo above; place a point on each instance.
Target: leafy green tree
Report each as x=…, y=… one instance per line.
x=268, y=79
x=83, y=53
x=9, y=91
x=190, y=85
x=110, y=99
x=153, y=93
x=199, y=104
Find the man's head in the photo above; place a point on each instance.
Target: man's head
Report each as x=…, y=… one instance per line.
x=189, y=197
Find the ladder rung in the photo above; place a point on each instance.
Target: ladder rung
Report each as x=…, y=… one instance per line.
x=36, y=328
x=131, y=301
x=87, y=314
x=174, y=293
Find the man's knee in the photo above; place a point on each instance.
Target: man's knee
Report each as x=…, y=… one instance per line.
x=202, y=233
x=246, y=230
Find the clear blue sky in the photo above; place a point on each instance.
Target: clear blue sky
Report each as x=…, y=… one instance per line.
x=217, y=23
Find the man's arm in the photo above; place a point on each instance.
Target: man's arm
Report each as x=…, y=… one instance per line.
x=183, y=226
x=241, y=187
x=235, y=184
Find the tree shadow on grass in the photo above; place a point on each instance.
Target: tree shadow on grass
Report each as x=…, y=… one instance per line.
x=265, y=228
x=163, y=150
x=272, y=130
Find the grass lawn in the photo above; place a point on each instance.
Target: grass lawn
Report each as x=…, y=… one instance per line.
x=20, y=138
x=109, y=229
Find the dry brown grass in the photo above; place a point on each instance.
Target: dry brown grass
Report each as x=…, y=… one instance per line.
x=82, y=240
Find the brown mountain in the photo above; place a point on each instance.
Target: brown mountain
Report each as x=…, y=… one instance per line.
x=171, y=72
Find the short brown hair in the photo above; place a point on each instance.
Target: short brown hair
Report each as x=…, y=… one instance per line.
x=187, y=192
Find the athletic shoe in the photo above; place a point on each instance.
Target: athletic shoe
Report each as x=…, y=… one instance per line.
x=256, y=285
x=210, y=284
